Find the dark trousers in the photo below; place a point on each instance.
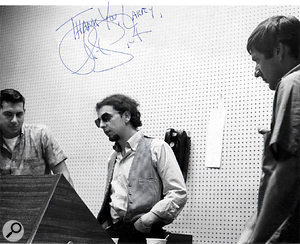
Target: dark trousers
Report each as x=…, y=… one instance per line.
x=128, y=234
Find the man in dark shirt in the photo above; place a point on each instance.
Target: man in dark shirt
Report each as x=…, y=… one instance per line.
x=275, y=47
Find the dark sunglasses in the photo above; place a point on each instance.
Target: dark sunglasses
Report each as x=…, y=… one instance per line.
x=106, y=117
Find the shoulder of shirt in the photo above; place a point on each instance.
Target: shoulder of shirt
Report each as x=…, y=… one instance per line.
x=291, y=80
x=154, y=141
x=34, y=128
x=157, y=144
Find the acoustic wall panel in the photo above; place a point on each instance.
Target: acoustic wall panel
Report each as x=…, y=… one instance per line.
x=180, y=60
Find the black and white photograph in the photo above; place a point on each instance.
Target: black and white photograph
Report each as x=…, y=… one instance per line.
x=150, y=122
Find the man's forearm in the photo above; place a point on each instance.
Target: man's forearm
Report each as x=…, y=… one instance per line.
x=61, y=168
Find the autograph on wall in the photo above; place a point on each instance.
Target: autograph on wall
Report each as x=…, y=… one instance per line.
x=96, y=40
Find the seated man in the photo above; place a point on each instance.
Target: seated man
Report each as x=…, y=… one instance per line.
x=26, y=149
x=145, y=188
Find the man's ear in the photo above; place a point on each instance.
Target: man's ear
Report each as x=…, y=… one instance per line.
x=281, y=51
x=126, y=116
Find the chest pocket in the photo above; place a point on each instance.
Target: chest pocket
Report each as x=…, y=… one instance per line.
x=32, y=166
x=150, y=191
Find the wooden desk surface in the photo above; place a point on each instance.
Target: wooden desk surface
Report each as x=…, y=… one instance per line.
x=49, y=209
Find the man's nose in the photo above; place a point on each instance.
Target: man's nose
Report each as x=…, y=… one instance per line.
x=102, y=124
x=257, y=73
x=14, y=119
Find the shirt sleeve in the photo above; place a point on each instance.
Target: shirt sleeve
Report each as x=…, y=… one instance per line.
x=286, y=117
x=174, y=189
x=52, y=153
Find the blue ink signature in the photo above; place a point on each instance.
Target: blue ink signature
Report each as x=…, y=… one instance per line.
x=95, y=44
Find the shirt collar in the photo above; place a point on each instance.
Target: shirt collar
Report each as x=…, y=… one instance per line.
x=296, y=68
x=132, y=142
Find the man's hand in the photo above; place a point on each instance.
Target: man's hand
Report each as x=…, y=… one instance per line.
x=144, y=223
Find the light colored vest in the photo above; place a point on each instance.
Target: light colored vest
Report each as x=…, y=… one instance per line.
x=144, y=184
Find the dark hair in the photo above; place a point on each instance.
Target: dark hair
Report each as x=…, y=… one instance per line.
x=123, y=103
x=274, y=30
x=11, y=95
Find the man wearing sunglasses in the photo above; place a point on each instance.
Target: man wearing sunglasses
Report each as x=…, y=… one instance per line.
x=145, y=188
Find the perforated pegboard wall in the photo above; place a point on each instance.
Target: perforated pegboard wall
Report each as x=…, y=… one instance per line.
x=183, y=61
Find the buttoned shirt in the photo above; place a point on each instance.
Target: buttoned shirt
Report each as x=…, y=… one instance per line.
x=164, y=160
x=36, y=152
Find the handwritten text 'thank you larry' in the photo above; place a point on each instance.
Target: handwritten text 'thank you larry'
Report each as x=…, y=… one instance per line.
x=93, y=40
